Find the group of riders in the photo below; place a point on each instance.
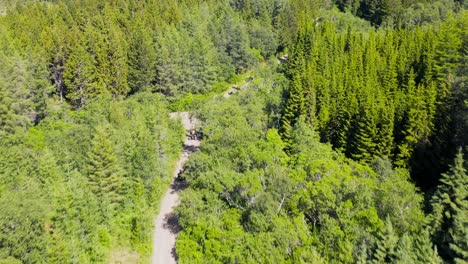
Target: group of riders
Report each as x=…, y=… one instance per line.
x=195, y=134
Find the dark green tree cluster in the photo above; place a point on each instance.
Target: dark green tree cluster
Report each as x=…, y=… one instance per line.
x=401, y=12
x=449, y=216
x=394, y=93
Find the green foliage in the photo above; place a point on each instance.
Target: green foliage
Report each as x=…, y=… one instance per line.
x=87, y=146
x=448, y=220
x=88, y=183
x=104, y=175
x=22, y=220
x=399, y=13
x=380, y=92
x=311, y=206
x=407, y=248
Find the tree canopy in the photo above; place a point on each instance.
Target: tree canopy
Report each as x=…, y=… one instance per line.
x=340, y=138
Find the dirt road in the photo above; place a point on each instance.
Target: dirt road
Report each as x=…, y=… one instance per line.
x=166, y=224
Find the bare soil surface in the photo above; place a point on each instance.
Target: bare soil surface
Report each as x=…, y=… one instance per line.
x=166, y=224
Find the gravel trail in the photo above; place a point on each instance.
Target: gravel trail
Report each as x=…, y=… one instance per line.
x=166, y=223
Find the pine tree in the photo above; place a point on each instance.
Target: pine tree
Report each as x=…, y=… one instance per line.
x=79, y=76
x=6, y=115
x=118, y=58
x=16, y=90
x=363, y=146
x=404, y=251
x=104, y=173
x=424, y=250
x=384, y=134
x=449, y=217
x=295, y=103
x=448, y=46
x=416, y=248
x=386, y=246
x=294, y=109
x=418, y=124
x=141, y=59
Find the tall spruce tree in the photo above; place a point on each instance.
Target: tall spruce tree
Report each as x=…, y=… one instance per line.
x=104, y=173
x=363, y=146
x=386, y=246
x=449, y=216
x=79, y=76
x=295, y=103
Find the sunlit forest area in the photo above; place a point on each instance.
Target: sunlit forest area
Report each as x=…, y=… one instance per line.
x=345, y=141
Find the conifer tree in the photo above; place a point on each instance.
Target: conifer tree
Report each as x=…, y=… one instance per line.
x=404, y=252
x=294, y=109
x=386, y=246
x=363, y=144
x=418, y=122
x=384, y=135
x=6, y=115
x=104, y=173
x=295, y=102
x=416, y=248
x=449, y=217
x=80, y=76
x=16, y=90
x=424, y=250
x=117, y=49
x=141, y=59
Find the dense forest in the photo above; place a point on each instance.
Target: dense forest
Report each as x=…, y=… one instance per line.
x=347, y=144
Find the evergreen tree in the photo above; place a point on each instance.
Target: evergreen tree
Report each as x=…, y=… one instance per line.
x=141, y=59
x=363, y=146
x=404, y=251
x=416, y=248
x=104, y=173
x=6, y=115
x=79, y=76
x=418, y=123
x=295, y=103
x=22, y=219
x=424, y=250
x=449, y=216
x=17, y=87
x=384, y=135
x=294, y=109
x=386, y=247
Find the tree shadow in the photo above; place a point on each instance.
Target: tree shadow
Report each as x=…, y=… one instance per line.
x=178, y=185
x=174, y=254
x=191, y=149
x=171, y=223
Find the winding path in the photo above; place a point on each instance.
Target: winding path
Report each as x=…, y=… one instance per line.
x=166, y=224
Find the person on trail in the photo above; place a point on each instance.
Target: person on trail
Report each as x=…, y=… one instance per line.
x=199, y=134
x=179, y=174
x=192, y=134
